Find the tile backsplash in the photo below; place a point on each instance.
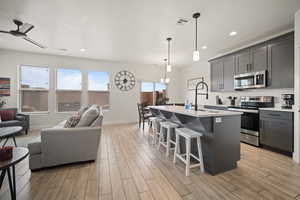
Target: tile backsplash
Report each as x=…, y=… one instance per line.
x=223, y=95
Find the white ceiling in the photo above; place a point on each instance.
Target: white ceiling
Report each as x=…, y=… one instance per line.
x=135, y=30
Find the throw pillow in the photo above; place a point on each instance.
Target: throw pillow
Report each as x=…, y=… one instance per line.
x=72, y=121
x=82, y=110
x=7, y=115
x=89, y=116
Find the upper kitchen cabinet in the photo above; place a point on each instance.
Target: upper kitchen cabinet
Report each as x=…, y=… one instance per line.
x=242, y=62
x=253, y=59
x=259, y=58
x=228, y=72
x=216, y=75
x=222, y=74
x=281, y=62
x=276, y=56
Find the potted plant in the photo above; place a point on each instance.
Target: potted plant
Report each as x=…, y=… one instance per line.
x=2, y=102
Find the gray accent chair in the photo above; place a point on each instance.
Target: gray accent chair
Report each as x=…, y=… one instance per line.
x=59, y=145
x=19, y=120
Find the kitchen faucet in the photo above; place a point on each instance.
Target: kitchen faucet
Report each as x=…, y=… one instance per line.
x=196, y=93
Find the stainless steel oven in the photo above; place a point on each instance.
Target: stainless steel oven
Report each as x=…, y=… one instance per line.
x=250, y=80
x=250, y=117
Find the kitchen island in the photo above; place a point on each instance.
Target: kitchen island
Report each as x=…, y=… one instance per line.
x=221, y=130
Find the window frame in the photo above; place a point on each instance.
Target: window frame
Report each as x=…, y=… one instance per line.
x=108, y=90
x=153, y=91
x=20, y=89
x=56, y=89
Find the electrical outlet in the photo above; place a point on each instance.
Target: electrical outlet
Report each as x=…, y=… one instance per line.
x=218, y=120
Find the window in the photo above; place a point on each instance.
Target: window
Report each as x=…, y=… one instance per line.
x=98, y=89
x=34, y=89
x=160, y=95
x=68, y=90
x=146, y=97
x=153, y=93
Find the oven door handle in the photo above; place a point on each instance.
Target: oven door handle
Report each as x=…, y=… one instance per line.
x=243, y=110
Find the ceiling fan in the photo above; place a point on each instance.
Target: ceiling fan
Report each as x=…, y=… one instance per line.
x=21, y=31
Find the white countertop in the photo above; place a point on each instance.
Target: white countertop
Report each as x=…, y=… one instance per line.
x=202, y=112
x=278, y=109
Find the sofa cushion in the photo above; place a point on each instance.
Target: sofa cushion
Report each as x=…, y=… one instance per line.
x=61, y=124
x=82, y=110
x=34, y=148
x=7, y=115
x=11, y=123
x=89, y=116
x=72, y=121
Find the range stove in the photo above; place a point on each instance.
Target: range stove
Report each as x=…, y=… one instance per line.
x=250, y=105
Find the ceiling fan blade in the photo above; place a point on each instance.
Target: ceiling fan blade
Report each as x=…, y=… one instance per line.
x=34, y=42
x=4, y=31
x=25, y=28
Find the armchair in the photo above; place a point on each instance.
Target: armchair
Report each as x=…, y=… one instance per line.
x=19, y=120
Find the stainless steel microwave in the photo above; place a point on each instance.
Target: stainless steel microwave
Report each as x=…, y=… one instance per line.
x=250, y=80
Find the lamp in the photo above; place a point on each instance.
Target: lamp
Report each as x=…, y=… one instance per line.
x=169, y=66
x=196, y=53
x=165, y=79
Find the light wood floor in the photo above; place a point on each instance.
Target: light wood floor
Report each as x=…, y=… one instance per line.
x=129, y=168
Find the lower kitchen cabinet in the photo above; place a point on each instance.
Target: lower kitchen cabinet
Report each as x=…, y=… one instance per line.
x=277, y=130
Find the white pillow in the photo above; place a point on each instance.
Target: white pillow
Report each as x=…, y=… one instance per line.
x=89, y=116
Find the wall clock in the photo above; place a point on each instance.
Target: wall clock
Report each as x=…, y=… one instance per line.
x=124, y=80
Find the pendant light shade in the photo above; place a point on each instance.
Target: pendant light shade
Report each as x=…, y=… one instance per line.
x=196, y=56
x=196, y=53
x=169, y=66
x=164, y=79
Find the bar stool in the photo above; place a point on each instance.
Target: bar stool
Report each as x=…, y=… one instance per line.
x=155, y=128
x=167, y=144
x=188, y=135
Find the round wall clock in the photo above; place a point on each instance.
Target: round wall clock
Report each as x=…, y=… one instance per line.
x=124, y=80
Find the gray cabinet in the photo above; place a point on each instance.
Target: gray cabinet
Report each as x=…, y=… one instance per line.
x=276, y=130
x=242, y=62
x=259, y=58
x=276, y=56
x=253, y=59
x=217, y=75
x=281, y=60
x=228, y=73
x=222, y=74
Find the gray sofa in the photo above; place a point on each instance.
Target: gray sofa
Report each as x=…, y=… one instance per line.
x=59, y=145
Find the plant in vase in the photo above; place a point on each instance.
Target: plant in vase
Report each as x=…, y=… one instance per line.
x=2, y=102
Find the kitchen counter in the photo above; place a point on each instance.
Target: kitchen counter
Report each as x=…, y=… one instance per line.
x=220, y=129
x=202, y=112
x=278, y=109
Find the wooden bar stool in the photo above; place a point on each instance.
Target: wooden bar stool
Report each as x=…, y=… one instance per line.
x=188, y=135
x=155, y=121
x=167, y=144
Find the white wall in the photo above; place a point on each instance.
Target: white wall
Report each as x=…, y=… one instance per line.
x=202, y=69
x=297, y=88
x=122, y=104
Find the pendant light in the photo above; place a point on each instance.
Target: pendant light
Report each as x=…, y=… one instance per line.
x=196, y=53
x=169, y=66
x=165, y=79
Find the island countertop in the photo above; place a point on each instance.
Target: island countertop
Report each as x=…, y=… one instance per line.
x=202, y=112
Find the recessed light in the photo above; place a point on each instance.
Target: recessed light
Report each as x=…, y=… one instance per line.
x=82, y=50
x=232, y=33
x=204, y=47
